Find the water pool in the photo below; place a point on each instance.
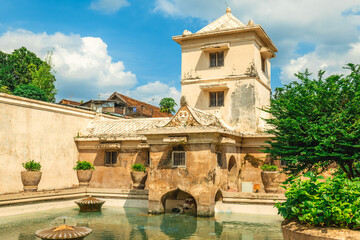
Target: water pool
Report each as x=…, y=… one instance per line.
x=132, y=223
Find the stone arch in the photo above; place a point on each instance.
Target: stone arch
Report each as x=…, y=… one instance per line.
x=218, y=196
x=232, y=173
x=179, y=201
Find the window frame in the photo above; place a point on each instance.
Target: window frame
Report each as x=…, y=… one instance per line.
x=172, y=158
x=217, y=99
x=217, y=63
x=112, y=152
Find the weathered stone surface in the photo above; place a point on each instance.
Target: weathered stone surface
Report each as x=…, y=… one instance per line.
x=296, y=231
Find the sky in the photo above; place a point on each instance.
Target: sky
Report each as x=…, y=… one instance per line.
x=102, y=46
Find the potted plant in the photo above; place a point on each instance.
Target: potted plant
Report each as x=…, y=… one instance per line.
x=138, y=175
x=269, y=176
x=84, y=172
x=31, y=177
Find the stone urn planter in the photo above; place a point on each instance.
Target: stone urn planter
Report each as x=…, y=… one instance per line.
x=31, y=177
x=138, y=175
x=84, y=177
x=84, y=171
x=139, y=179
x=269, y=179
x=30, y=180
x=297, y=231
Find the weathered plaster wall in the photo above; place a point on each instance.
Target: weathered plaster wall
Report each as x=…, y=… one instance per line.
x=201, y=178
x=247, y=86
x=43, y=132
x=115, y=176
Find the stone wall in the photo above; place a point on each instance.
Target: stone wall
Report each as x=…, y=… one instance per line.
x=112, y=176
x=201, y=178
x=41, y=131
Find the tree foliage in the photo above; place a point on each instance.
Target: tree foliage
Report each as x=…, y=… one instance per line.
x=334, y=202
x=30, y=91
x=23, y=67
x=167, y=105
x=316, y=122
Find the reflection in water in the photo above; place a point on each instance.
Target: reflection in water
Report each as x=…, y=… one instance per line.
x=178, y=226
x=26, y=236
x=130, y=223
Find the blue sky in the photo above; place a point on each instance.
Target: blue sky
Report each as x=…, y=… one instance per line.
x=102, y=46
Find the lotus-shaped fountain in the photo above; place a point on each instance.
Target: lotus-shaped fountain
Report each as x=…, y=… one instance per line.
x=90, y=204
x=63, y=232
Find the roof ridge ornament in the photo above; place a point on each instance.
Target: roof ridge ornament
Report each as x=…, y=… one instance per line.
x=228, y=10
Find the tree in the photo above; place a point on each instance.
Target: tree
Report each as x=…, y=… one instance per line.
x=316, y=122
x=23, y=67
x=167, y=105
x=30, y=91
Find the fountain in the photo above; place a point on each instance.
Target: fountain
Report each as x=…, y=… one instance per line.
x=90, y=204
x=63, y=232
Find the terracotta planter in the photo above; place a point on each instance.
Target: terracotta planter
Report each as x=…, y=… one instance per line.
x=269, y=179
x=296, y=231
x=30, y=180
x=139, y=179
x=84, y=177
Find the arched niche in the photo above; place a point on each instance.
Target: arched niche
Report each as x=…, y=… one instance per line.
x=178, y=201
x=232, y=173
x=218, y=196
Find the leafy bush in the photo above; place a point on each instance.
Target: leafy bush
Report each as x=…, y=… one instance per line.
x=30, y=91
x=32, y=165
x=138, y=167
x=334, y=202
x=269, y=167
x=315, y=123
x=83, y=165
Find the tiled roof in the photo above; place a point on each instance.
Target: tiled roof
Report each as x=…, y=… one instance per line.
x=69, y=102
x=141, y=107
x=226, y=22
x=127, y=127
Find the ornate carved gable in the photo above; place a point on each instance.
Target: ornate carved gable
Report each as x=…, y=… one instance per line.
x=183, y=117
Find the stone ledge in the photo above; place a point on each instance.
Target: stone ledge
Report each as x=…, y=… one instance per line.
x=243, y=195
x=296, y=231
x=251, y=201
x=68, y=194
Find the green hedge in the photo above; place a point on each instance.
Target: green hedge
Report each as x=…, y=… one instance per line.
x=334, y=202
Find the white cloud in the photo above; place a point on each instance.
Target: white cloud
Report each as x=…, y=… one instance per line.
x=108, y=6
x=333, y=27
x=83, y=67
x=331, y=62
x=75, y=58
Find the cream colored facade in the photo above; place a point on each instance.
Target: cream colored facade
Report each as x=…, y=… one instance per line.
x=218, y=146
x=244, y=77
x=40, y=131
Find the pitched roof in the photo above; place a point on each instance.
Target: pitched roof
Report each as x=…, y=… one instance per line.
x=188, y=116
x=69, y=102
x=225, y=22
x=121, y=127
x=141, y=107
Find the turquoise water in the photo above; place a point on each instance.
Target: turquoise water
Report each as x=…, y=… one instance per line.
x=131, y=223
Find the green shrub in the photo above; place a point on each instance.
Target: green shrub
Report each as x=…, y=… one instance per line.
x=30, y=91
x=83, y=165
x=334, y=202
x=269, y=167
x=32, y=166
x=138, y=167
